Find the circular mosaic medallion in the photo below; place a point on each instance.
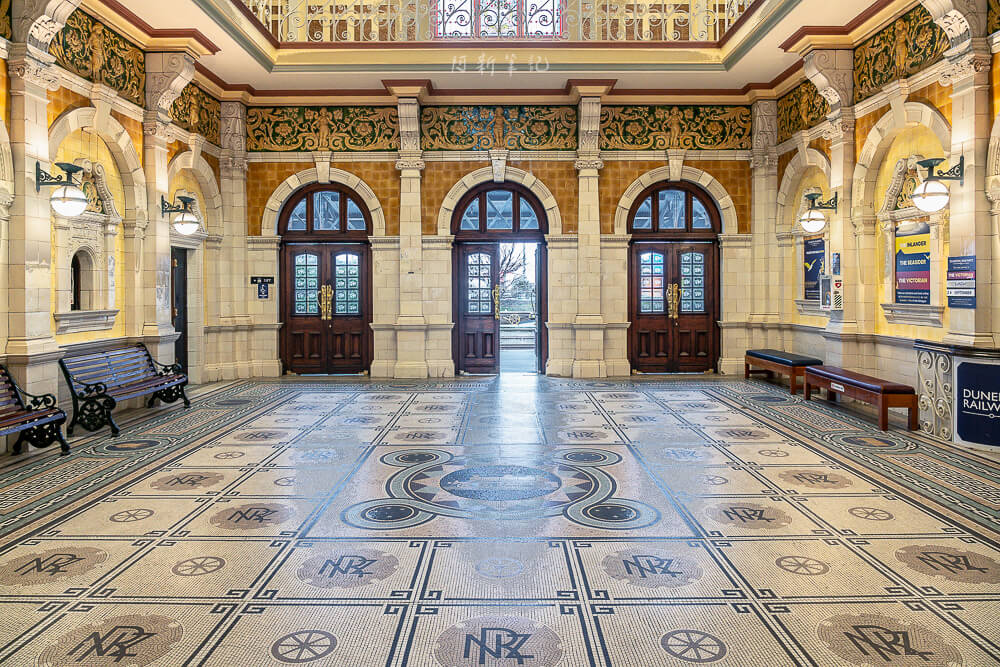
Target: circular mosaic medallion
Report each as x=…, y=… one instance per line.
x=713, y=480
x=251, y=516
x=498, y=640
x=303, y=646
x=773, y=453
x=130, y=445
x=874, y=639
x=808, y=567
x=39, y=567
x=767, y=398
x=500, y=482
x=652, y=568
x=120, y=640
x=284, y=481
x=130, y=515
x=871, y=513
x=750, y=515
x=815, y=479
x=693, y=646
x=612, y=512
x=968, y=567
x=182, y=481
x=499, y=567
x=193, y=567
x=347, y=568
x=226, y=456
x=390, y=513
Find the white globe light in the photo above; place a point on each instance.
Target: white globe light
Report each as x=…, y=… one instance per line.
x=68, y=201
x=186, y=223
x=813, y=220
x=930, y=196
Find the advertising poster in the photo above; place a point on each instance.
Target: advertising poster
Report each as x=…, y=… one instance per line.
x=977, y=399
x=814, y=253
x=962, y=282
x=913, y=263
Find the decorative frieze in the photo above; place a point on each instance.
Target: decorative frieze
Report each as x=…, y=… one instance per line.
x=801, y=108
x=906, y=46
x=197, y=111
x=663, y=127
x=89, y=49
x=322, y=129
x=483, y=128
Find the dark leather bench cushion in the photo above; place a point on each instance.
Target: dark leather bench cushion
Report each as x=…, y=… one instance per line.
x=859, y=380
x=785, y=358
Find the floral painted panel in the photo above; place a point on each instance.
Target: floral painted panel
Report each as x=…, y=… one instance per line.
x=905, y=47
x=663, y=127
x=88, y=48
x=197, y=111
x=801, y=108
x=6, y=18
x=993, y=16
x=481, y=128
x=322, y=128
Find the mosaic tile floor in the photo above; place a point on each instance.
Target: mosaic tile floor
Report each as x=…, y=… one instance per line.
x=519, y=521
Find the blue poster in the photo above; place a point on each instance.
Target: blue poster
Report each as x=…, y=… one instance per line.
x=977, y=395
x=913, y=263
x=962, y=282
x=814, y=253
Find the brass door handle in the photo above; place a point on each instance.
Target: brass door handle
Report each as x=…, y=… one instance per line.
x=326, y=302
x=675, y=300
x=496, y=302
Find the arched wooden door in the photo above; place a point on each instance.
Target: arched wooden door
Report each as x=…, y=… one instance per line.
x=674, y=280
x=326, y=286
x=486, y=217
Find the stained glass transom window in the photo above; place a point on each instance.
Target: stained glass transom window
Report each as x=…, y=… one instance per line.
x=499, y=210
x=328, y=211
x=347, y=288
x=673, y=209
x=692, y=282
x=306, y=284
x=479, y=275
x=498, y=18
x=651, y=283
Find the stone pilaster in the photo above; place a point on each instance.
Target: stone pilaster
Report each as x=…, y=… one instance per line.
x=766, y=292
x=31, y=348
x=970, y=229
x=588, y=361
x=411, y=327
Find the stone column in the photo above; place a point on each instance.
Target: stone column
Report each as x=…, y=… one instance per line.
x=832, y=71
x=411, y=327
x=245, y=319
x=166, y=76
x=971, y=229
x=588, y=326
x=766, y=291
x=31, y=348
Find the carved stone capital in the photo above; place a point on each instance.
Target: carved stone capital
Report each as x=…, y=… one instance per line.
x=963, y=67
x=153, y=127
x=234, y=165
x=840, y=127
x=166, y=76
x=233, y=127
x=961, y=20
x=409, y=163
x=766, y=160
x=588, y=164
x=26, y=66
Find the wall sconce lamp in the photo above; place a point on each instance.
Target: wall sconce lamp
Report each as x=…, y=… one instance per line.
x=932, y=195
x=68, y=200
x=813, y=220
x=186, y=223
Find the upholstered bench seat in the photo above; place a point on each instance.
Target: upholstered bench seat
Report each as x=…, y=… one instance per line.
x=878, y=392
x=778, y=361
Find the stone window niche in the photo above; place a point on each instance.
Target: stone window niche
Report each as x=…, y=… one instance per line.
x=808, y=307
x=85, y=259
x=898, y=212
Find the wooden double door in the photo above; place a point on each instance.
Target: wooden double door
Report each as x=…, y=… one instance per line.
x=477, y=307
x=326, y=307
x=673, y=306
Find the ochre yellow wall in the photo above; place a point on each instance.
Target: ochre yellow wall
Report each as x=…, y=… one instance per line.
x=86, y=144
x=562, y=181
x=438, y=179
x=134, y=129
x=63, y=100
x=4, y=95
x=863, y=127
x=934, y=95
x=917, y=140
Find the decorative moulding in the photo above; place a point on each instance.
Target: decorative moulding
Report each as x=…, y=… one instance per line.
x=76, y=321
x=811, y=308
x=918, y=314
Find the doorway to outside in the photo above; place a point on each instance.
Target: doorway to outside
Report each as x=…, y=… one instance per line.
x=519, y=322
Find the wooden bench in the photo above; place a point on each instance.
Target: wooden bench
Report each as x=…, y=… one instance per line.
x=871, y=390
x=99, y=381
x=775, y=361
x=37, y=421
